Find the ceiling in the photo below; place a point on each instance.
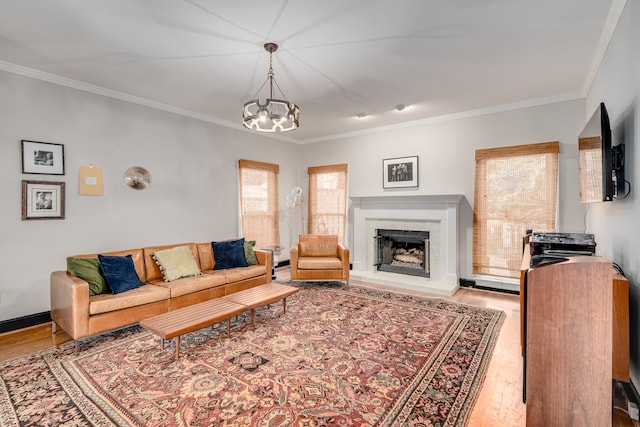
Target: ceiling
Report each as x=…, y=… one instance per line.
x=337, y=58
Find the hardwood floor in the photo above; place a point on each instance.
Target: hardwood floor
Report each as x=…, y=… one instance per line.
x=498, y=404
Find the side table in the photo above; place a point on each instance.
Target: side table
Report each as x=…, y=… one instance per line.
x=273, y=250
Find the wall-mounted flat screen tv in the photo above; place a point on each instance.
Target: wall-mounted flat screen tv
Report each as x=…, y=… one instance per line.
x=595, y=159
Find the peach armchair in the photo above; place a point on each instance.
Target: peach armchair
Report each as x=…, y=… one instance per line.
x=319, y=257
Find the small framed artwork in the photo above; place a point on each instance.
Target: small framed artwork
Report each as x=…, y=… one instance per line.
x=42, y=200
x=400, y=172
x=42, y=157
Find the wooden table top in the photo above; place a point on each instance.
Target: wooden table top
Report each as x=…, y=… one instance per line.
x=192, y=318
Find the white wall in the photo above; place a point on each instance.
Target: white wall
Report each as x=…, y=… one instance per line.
x=615, y=224
x=192, y=196
x=446, y=151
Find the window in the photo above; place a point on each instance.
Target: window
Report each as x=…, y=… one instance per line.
x=590, y=169
x=328, y=200
x=516, y=188
x=259, y=202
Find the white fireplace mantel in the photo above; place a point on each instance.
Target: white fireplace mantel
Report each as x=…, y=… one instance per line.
x=437, y=214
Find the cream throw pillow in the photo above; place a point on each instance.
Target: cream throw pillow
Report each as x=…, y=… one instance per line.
x=176, y=263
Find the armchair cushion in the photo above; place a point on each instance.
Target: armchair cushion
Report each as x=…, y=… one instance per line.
x=319, y=263
x=318, y=245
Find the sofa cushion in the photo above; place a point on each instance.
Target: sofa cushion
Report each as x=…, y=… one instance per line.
x=229, y=254
x=176, y=263
x=319, y=263
x=88, y=269
x=119, y=272
x=146, y=294
x=318, y=245
x=233, y=275
x=249, y=253
x=189, y=285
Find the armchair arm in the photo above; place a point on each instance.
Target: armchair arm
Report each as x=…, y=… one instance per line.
x=343, y=254
x=293, y=261
x=70, y=303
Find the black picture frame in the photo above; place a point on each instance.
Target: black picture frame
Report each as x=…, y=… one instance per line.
x=400, y=172
x=44, y=158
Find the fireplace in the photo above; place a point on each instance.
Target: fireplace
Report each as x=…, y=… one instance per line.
x=437, y=216
x=403, y=251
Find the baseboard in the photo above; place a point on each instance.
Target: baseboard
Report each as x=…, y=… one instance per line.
x=466, y=283
x=283, y=263
x=24, y=322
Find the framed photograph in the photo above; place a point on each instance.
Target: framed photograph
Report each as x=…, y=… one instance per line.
x=400, y=172
x=42, y=157
x=42, y=200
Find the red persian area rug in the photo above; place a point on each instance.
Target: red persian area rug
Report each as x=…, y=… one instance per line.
x=340, y=356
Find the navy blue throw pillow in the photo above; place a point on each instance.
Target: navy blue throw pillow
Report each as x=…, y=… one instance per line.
x=229, y=254
x=119, y=272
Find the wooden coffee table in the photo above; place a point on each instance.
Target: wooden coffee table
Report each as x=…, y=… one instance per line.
x=263, y=295
x=192, y=318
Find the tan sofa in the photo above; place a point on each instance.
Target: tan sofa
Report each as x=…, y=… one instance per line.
x=319, y=257
x=81, y=315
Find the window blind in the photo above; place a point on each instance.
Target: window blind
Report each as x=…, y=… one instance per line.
x=516, y=188
x=328, y=199
x=590, y=169
x=259, y=202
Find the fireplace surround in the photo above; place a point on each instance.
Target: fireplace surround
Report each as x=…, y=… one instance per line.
x=435, y=214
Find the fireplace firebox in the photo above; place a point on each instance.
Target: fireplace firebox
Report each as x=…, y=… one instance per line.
x=402, y=251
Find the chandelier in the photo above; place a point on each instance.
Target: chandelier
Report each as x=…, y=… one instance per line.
x=274, y=115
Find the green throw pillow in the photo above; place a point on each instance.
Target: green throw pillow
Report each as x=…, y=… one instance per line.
x=176, y=263
x=249, y=254
x=89, y=269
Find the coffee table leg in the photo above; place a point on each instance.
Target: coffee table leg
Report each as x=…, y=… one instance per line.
x=284, y=305
x=178, y=347
x=253, y=315
x=229, y=327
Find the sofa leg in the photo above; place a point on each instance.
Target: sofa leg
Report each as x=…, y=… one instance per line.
x=77, y=343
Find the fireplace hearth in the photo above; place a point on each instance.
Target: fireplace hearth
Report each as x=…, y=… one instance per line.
x=403, y=252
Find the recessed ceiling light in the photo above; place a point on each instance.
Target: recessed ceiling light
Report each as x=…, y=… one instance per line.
x=401, y=107
x=361, y=115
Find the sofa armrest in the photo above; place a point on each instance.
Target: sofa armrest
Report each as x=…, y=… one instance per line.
x=263, y=257
x=70, y=303
x=293, y=261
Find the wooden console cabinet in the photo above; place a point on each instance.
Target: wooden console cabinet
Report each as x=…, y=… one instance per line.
x=620, y=311
x=568, y=340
